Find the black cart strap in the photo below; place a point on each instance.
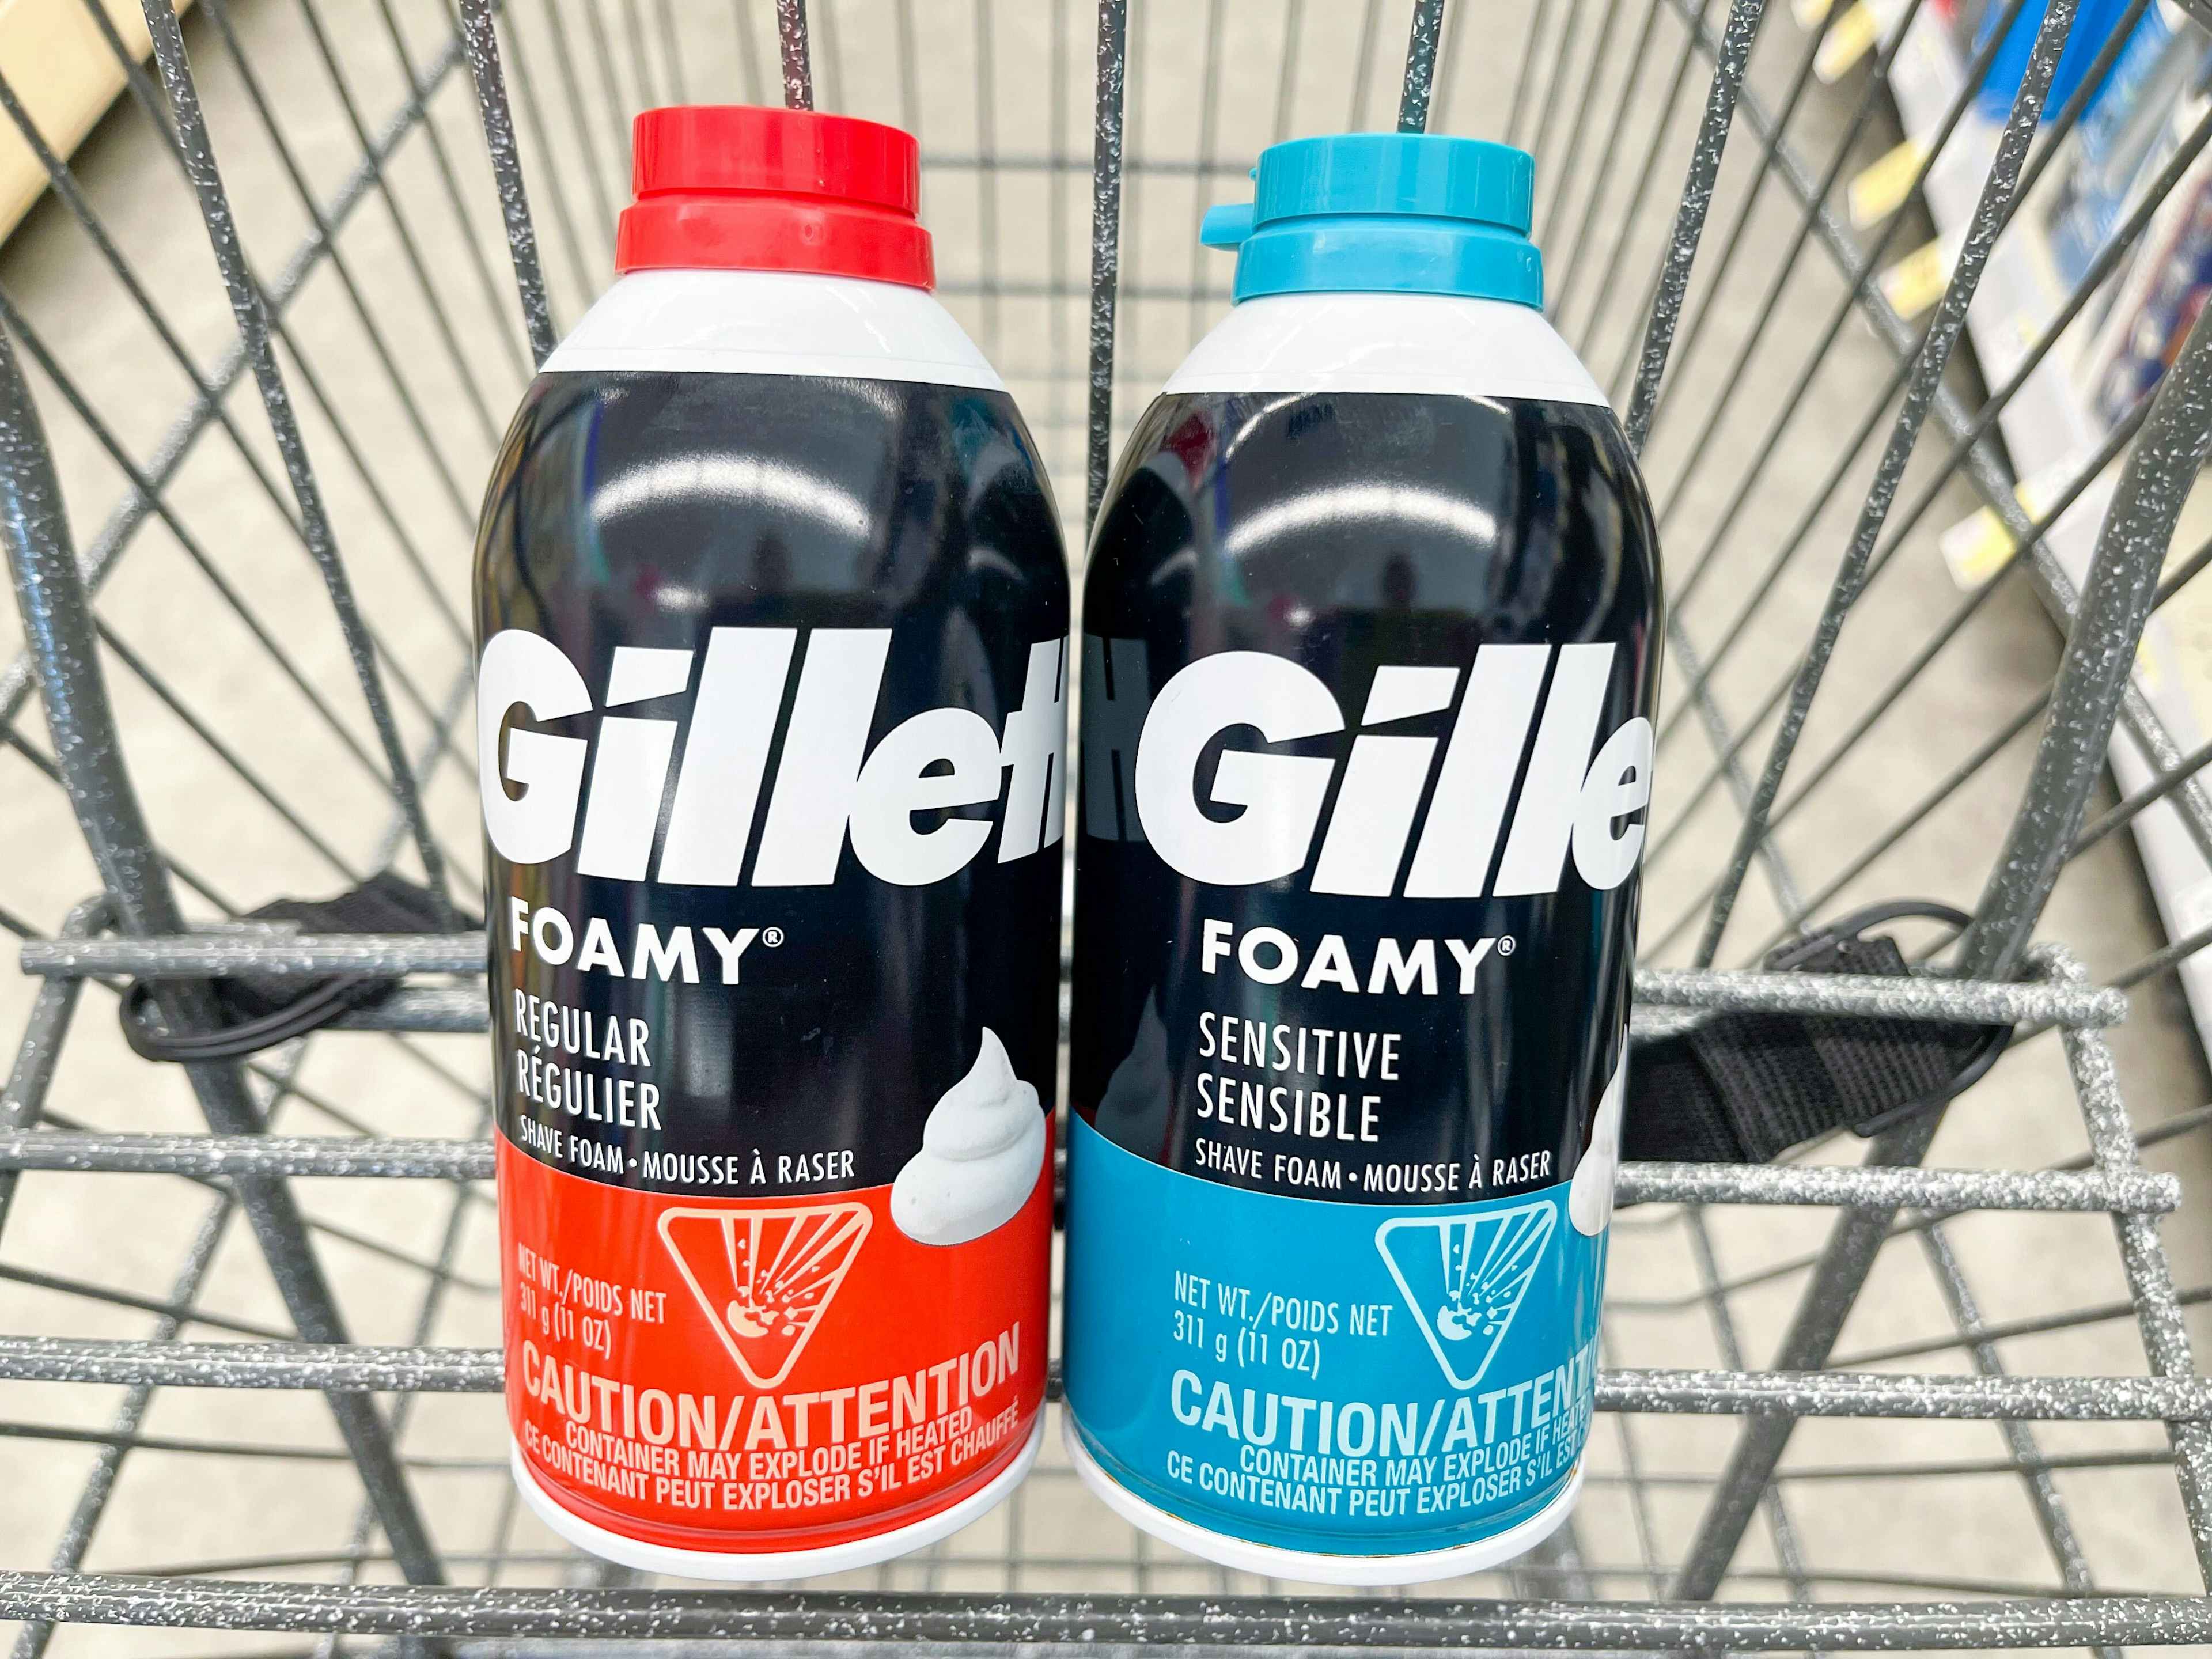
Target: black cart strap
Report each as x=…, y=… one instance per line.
x=1745, y=1088
x=261, y=1011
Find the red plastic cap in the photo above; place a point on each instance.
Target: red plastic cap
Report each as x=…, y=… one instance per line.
x=732, y=187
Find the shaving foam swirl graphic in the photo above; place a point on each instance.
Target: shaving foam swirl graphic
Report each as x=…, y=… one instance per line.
x=1590, y=1194
x=1133, y=1110
x=981, y=1153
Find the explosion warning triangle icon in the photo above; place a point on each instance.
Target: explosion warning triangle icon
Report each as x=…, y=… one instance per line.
x=1464, y=1276
x=764, y=1277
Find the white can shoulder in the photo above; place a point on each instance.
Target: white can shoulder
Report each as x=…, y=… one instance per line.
x=764, y=322
x=1418, y=343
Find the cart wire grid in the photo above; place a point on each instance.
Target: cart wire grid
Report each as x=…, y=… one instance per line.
x=1931, y=1390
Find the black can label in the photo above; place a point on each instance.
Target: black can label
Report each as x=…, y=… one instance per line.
x=1366, y=687
x=772, y=695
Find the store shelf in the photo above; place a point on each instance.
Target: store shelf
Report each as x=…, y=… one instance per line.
x=2049, y=432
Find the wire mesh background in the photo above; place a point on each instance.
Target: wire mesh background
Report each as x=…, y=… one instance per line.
x=1960, y=1449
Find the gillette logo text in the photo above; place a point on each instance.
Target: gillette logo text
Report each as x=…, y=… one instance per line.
x=824, y=784
x=1521, y=781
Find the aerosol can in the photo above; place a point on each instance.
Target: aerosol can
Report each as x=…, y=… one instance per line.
x=1370, y=645
x=771, y=613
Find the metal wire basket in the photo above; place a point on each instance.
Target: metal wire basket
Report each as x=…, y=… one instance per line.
x=1855, y=1400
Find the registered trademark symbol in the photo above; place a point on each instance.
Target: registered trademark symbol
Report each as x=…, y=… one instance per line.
x=1506, y=946
x=772, y=938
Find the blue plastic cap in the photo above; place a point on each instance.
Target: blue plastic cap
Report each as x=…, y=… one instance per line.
x=1385, y=213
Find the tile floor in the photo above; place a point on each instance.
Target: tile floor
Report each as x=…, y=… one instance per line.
x=405, y=356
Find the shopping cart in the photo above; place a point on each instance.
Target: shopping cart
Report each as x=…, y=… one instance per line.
x=1932, y=1389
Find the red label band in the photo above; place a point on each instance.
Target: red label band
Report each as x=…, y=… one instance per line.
x=765, y=1375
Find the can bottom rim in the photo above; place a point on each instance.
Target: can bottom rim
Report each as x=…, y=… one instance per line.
x=730, y=1566
x=1312, y=1567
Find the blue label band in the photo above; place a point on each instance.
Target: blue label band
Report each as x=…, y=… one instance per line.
x=1346, y=1378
